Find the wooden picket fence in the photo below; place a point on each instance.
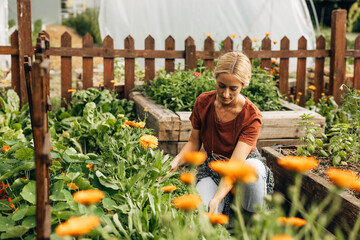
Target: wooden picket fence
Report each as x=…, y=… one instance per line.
x=337, y=54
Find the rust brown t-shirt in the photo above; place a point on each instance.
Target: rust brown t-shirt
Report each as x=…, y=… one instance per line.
x=221, y=138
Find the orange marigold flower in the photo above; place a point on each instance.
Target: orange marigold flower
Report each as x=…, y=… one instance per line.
x=300, y=93
x=77, y=226
x=194, y=157
x=281, y=237
x=322, y=94
x=63, y=174
x=208, y=35
x=273, y=61
x=325, y=99
x=233, y=35
x=15, y=210
x=255, y=39
x=297, y=163
x=140, y=124
x=148, y=141
x=344, y=178
x=169, y=188
x=187, y=178
x=312, y=87
x=234, y=170
x=121, y=115
x=275, y=42
x=187, y=202
x=298, y=100
x=145, y=110
x=293, y=221
x=3, y=81
x=6, y=148
x=72, y=186
x=88, y=197
x=217, y=218
x=267, y=34
x=112, y=81
x=71, y=90
x=100, y=83
x=89, y=166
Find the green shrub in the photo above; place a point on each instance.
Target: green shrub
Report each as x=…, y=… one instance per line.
x=353, y=23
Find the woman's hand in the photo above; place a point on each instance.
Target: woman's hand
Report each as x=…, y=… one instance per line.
x=213, y=206
x=174, y=165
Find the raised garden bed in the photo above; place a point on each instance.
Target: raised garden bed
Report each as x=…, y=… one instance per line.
x=173, y=128
x=315, y=188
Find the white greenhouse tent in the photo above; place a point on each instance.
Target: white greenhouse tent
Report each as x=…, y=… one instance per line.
x=4, y=33
x=183, y=18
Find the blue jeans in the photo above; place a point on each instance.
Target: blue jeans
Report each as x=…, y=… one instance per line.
x=253, y=194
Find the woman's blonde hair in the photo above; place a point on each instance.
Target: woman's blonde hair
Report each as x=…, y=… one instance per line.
x=235, y=63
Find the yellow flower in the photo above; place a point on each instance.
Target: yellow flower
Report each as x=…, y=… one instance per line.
x=312, y=87
x=344, y=178
x=121, y=115
x=89, y=166
x=275, y=42
x=298, y=100
x=233, y=35
x=72, y=186
x=148, y=141
x=187, y=202
x=100, y=83
x=3, y=81
x=169, y=188
x=187, y=178
x=112, y=81
x=293, y=221
x=267, y=34
x=297, y=163
x=255, y=39
x=88, y=197
x=208, y=35
x=217, y=218
x=145, y=110
x=77, y=226
x=6, y=148
x=194, y=157
x=300, y=93
x=281, y=237
x=322, y=94
x=71, y=90
x=234, y=170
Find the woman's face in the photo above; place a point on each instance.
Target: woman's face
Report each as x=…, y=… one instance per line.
x=228, y=88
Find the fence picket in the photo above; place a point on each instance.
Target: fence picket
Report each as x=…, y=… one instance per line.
x=15, y=69
x=357, y=65
x=190, y=54
x=284, y=68
x=209, y=46
x=88, y=65
x=129, y=44
x=301, y=74
x=169, y=62
x=66, y=70
x=228, y=44
x=149, y=62
x=319, y=69
x=266, y=46
x=247, y=45
x=108, y=46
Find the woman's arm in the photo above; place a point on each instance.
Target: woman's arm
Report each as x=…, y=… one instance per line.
x=241, y=151
x=193, y=144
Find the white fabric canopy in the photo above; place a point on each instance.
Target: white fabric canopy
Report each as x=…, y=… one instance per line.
x=4, y=34
x=183, y=18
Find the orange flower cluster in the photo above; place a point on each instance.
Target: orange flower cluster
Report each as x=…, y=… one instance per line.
x=89, y=166
x=312, y=87
x=169, y=188
x=3, y=194
x=77, y=226
x=344, y=178
x=187, y=178
x=297, y=163
x=88, y=197
x=6, y=148
x=293, y=221
x=135, y=124
x=281, y=237
x=149, y=141
x=187, y=202
x=234, y=170
x=217, y=218
x=194, y=157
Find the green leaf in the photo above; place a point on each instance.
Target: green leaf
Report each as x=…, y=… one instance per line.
x=109, y=204
x=14, y=232
x=20, y=213
x=107, y=182
x=4, y=205
x=29, y=222
x=29, y=192
x=13, y=100
x=60, y=206
x=5, y=223
x=24, y=154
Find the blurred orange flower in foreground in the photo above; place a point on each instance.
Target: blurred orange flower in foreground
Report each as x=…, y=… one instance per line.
x=217, y=218
x=194, y=157
x=187, y=202
x=297, y=163
x=234, y=170
x=344, y=178
x=148, y=141
x=281, y=237
x=187, y=178
x=88, y=197
x=77, y=226
x=169, y=188
x=293, y=221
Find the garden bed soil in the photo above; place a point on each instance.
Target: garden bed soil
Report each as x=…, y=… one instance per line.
x=315, y=185
x=173, y=128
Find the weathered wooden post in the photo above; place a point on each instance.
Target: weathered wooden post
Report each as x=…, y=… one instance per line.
x=190, y=54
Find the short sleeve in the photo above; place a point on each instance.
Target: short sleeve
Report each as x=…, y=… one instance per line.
x=195, y=116
x=250, y=133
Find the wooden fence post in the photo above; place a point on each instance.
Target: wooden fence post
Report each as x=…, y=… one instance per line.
x=357, y=65
x=190, y=54
x=266, y=46
x=25, y=43
x=15, y=69
x=228, y=44
x=88, y=63
x=319, y=70
x=66, y=70
x=338, y=48
x=284, y=68
x=108, y=46
x=301, y=74
x=209, y=46
x=247, y=45
x=129, y=44
x=169, y=62
x=149, y=62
